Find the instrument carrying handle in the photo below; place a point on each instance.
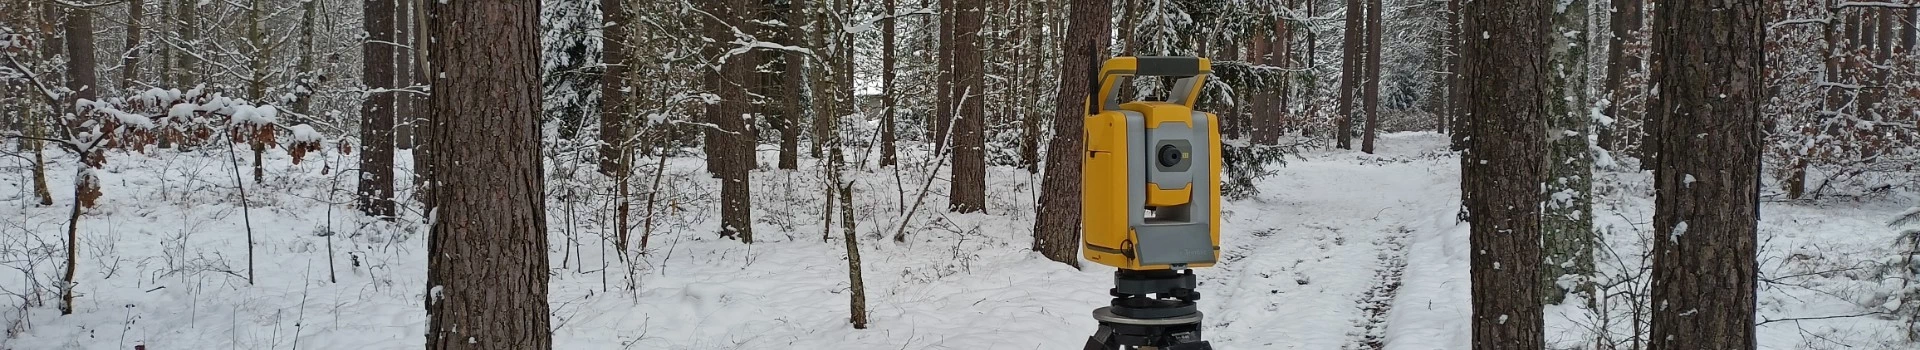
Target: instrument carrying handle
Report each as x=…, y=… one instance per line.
x=1190, y=71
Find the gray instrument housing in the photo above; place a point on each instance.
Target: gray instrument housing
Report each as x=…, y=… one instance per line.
x=1180, y=234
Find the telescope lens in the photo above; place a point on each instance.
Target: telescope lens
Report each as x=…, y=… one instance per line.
x=1169, y=156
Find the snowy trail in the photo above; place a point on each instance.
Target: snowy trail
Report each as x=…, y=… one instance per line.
x=1301, y=259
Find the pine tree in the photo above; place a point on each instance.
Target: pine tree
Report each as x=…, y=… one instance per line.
x=1501, y=169
x=733, y=139
x=487, y=251
x=130, y=59
x=1706, y=206
x=1567, y=226
x=82, y=75
x=1349, y=73
x=1373, y=77
x=889, y=104
x=1056, y=226
x=375, y=195
x=968, y=192
x=613, y=85
x=1626, y=20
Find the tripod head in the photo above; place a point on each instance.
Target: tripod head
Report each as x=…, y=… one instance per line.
x=1150, y=177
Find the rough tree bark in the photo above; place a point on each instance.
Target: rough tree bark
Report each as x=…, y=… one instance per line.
x=968, y=191
x=1056, y=226
x=734, y=139
x=795, y=16
x=405, y=104
x=187, y=23
x=487, y=251
x=1626, y=20
x=303, y=102
x=375, y=194
x=888, y=101
x=130, y=62
x=423, y=117
x=1506, y=95
x=1567, y=226
x=82, y=76
x=1349, y=70
x=613, y=86
x=1373, y=77
x=1649, y=148
x=1456, y=94
x=944, y=105
x=1706, y=199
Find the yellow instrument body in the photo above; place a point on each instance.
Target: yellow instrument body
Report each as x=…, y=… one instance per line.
x=1151, y=172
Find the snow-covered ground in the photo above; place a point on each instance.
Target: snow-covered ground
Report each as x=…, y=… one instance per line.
x=1339, y=250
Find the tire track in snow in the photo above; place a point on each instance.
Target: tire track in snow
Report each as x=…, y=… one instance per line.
x=1372, y=330
x=1302, y=264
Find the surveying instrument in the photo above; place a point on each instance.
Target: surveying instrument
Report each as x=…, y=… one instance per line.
x=1151, y=203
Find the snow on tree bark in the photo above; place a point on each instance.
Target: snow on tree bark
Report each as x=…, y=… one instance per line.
x=487, y=266
x=733, y=139
x=614, y=108
x=1374, y=50
x=968, y=191
x=1708, y=175
x=1349, y=72
x=375, y=193
x=1505, y=94
x=1056, y=230
x=1567, y=224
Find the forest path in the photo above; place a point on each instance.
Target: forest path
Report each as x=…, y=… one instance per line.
x=1304, y=262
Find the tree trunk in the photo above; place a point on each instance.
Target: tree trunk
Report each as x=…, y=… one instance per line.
x=1035, y=34
x=81, y=75
x=1706, y=206
x=130, y=62
x=307, y=77
x=165, y=72
x=613, y=86
x=1280, y=49
x=1349, y=71
x=1456, y=88
x=1257, y=100
x=1501, y=170
x=1056, y=227
x=734, y=139
x=1310, y=95
x=375, y=193
x=969, y=188
x=1373, y=76
x=889, y=103
x=189, y=26
x=1911, y=39
x=1649, y=150
x=1567, y=226
x=1626, y=20
x=487, y=267
x=944, y=105
x=422, y=117
x=795, y=82
x=1883, y=51
x=405, y=104
x=37, y=128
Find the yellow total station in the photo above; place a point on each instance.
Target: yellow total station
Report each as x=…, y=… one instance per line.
x=1151, y=177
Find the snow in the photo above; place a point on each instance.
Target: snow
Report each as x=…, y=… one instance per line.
x=182, y=110
x=256, y=115
x=305, y=133
x=161, y=256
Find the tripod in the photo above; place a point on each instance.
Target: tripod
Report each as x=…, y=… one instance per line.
x=1151, y=309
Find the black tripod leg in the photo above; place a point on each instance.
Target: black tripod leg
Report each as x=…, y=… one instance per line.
x=1190, y=346
x=1102, y=340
